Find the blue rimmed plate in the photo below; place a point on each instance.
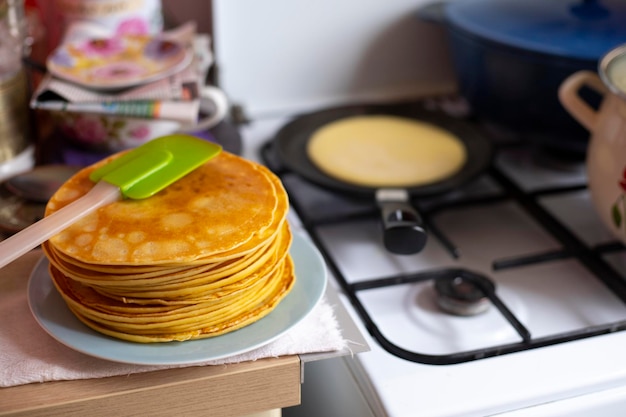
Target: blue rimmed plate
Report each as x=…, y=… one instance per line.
x=56, y=319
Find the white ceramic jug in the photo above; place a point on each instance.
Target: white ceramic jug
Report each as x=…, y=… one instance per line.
x=606, y=155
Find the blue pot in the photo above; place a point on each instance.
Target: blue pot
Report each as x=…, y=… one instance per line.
x=511, y=56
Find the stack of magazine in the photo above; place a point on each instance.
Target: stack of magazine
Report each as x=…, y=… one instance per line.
x=169, y=93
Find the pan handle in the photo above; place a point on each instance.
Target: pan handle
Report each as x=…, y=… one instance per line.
x=404, y=232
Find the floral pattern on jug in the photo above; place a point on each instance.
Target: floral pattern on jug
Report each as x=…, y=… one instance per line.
x=618, y=210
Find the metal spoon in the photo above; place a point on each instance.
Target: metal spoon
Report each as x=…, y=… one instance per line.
x=23, y=197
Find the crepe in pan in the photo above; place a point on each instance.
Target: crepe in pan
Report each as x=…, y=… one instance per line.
x=385, y=151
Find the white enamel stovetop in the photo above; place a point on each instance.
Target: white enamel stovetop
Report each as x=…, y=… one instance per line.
x=585, y=376
x=277, y=58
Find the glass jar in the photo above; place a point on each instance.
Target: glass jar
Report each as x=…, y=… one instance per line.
x=11, y=37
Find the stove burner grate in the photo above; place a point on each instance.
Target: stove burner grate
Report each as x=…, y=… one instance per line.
x=591, y=257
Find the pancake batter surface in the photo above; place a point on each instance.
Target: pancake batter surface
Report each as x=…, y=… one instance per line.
x=221, y=208
x=386, y=151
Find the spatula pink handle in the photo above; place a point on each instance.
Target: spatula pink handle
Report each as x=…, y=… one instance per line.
x=15, y=246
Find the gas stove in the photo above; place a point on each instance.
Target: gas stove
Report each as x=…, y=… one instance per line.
x=543, y=336
x=516, y=306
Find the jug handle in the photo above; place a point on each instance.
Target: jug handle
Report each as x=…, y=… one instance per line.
x=572, y=101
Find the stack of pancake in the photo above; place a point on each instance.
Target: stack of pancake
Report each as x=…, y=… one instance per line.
x=203, y=257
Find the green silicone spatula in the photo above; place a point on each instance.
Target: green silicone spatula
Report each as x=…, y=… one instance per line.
x=137, y=174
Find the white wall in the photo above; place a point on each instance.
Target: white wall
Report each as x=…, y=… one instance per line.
x=277, y=56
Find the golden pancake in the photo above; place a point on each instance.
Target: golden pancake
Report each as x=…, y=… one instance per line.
x=385, y=151
x=192, y=322
x=141, y=316
x=171, y=277
x=226, y=203
x=204, y=285
x=205, y=256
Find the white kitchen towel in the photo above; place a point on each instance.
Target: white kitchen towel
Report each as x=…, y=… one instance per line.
x=28, y=354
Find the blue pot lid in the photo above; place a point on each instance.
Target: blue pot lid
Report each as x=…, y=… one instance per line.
x=569, y=28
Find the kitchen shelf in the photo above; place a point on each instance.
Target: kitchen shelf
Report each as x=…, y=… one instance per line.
x=262, y=386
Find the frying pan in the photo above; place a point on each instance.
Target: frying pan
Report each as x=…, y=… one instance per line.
x=403, y=229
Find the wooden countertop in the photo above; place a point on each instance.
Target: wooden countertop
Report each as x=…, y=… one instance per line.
x=218, y=390
x=222, y=390
x=252, y=389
